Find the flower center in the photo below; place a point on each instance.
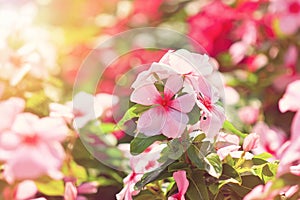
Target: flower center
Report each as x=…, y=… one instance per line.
x=205, y=101
x=31, y=139
x=165, y=101
x=78, y=113
x=294, y=7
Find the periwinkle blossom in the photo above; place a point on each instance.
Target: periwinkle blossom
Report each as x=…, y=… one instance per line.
x=84, y=108
x=212, y=114
x=34, y=143
x=185, y=62
x=139, y=164
x=168, y=112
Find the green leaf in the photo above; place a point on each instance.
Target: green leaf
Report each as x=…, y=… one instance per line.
x=263, y=156
x=230, y=127
x=197, y=189
x=131, y=113
x=75, y=170
x=196, y=157
x=213, y=165
x=230, y=172
x=142, y=142
x=178, y=166
x=156, y=174
x=145, y=195
x=266, y=172
x=194, y=115
x=50, y=187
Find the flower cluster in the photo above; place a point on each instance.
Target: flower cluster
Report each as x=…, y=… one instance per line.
x=95, y=104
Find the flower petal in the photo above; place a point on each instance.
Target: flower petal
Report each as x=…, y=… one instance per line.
x=145, y=95
x=173, y=85
x=295, y=132
x=182, y=184
x=184, y=103
x=290, y=100
x=50, y=128
x=24, y=123
x=151, y=122
x=175, y=124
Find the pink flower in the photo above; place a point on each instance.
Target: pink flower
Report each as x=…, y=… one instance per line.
x=288, y=12
x=261, y=192
x=72, y=192
x=168, y=112
x=213, y=115
x=185, y=62
x=84, y=108
x=226, y=143
x=8, y=112
x=26, y=189
x=288, y=163
x=182, y=185
x=248, y=114
x=140, y=164
x=290, y=100
x=271, y=139
x=251, y=142
x=34, y=143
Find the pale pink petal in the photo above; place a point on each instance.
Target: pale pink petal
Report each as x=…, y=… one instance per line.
x=42, y=158
x=185, y=62
x=87, y=188
x=211, y=124
x=70, y=191
x=24, y=123
x=231, y=95
x=152, y=121
x=103, y=102
x=288, y=24
x=295, y=132
x=224, y=139
x=145, y=95
x=173, y=85
x=9, y=140
x=290, y=100
x=224, y=151
x=26, y=190
x=184, y=103
x=248, y=114
x=59, y=110
x=50, y=128
x=182, y=184
x=238, y=51
x=8, y=111
x=251, y=142
x=175, y=124
x=83, y=103
x=146, y=77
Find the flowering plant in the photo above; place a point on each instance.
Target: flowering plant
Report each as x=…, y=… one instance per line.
x=182, y=137
x=149, y=99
